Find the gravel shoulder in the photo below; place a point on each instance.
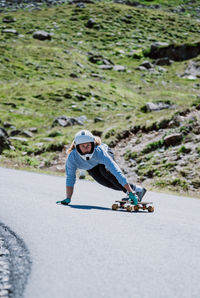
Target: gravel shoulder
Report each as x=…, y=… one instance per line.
x=15, y=263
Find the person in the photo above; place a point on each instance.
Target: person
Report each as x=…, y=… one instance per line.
x=87, y=152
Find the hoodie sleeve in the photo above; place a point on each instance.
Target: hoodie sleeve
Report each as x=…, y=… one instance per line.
x=70, y=171
x=111, y=166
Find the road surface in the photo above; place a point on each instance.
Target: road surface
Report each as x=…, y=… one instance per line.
x=88, y=250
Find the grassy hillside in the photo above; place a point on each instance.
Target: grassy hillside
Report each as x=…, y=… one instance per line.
x=41, y=80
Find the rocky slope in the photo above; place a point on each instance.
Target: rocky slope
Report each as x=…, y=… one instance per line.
x=128, y=73
x=166, y=155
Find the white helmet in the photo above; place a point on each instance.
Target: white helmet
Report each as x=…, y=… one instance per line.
x=84, y=136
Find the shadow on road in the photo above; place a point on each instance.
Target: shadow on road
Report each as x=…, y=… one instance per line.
x=87, y=207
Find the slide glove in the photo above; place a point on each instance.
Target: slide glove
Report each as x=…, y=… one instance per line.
x=133, y=198
x=64, y=202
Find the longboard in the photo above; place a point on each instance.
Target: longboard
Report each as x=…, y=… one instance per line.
x=129, y=207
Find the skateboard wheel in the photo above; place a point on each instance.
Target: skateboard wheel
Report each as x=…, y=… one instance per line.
x=136, y=208
x=129, y=208
x=150, y=209
x=115, y=207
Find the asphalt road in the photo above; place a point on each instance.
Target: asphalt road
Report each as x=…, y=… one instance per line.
x=88, y=250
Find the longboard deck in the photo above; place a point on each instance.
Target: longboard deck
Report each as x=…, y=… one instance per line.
x=131, y=207
x=128, y=202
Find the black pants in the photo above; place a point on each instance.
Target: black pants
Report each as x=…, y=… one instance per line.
x=104, y=177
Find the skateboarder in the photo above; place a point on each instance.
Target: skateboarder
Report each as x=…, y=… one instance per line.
x=89, y=153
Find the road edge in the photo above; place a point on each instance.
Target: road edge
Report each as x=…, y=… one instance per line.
x=15, y=263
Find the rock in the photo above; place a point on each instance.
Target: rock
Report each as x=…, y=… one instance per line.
x=40, y=144
x=141, y=68
x=163, y=61
x=82, y=118
x=147, y=65
x=15, y=132
x=107, y=62
x=173, y=139
x=151, y=107
x=163, y=124
x=173, y=51
x=27, y=134
x=90, y=23
x=96, y=132
x=42, y=35
x=175, y=122
x=73, y=75
x=106, y=67
x=192, y=71
x=161, y=69
x=9, y=19
x=10, y=31
x=48, y=139
x=95, y=58
x=12, y=104
x=98, y=119
x=66, y=121
x=33, y=129
x=196, y=183
x=22, y=140
x=120, y=68
x=81, y=5
x=4, y=140
x=8, y=125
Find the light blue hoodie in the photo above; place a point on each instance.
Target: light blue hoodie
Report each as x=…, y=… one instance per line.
x=100, y=156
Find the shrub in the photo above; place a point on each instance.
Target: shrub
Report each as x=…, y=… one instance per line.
x=184, y=150
x=130, y=155
x=153, y=146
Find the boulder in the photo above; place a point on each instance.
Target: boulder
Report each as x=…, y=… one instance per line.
x=119, y=68
x=192, y=71
x=151, y=107
x=147, y=65
x=33, y=129
x=173, y=51
x=27, y=134
x=10, y=31
x=4, y=140
x=81, y=5
x=67, y=121
x=15, y=132
x=109, y=67
x=173, y=139
x=98, y=119
x=90, y=23
x=42, y=35
x=8, y=125
x=22, y=140
x=99, y=59
x=9, y=19
x=163, y=61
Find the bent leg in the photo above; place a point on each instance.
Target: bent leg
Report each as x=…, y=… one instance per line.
x=96, y=175
x=105, y=178
x=110, y=177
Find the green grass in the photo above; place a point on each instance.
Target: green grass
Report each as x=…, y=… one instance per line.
x=41, y=80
